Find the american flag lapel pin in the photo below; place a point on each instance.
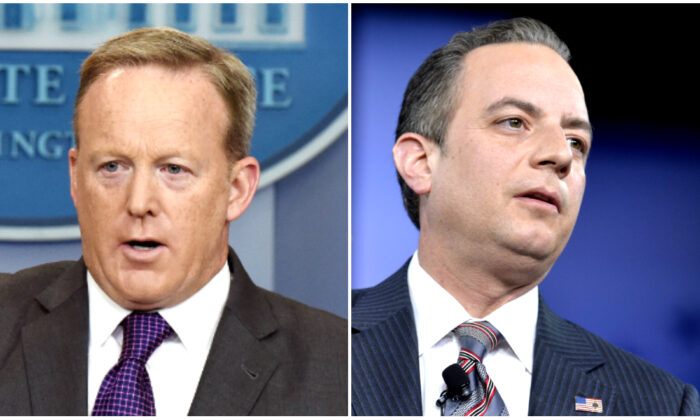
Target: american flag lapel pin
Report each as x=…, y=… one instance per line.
x=592, y=405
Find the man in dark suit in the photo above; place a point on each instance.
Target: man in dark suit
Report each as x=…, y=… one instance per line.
x=491, y=148
x=159, y=316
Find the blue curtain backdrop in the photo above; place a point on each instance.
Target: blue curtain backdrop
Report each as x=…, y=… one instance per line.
x=630, y=270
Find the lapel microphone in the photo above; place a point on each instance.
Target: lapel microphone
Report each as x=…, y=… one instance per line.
x=457, y=383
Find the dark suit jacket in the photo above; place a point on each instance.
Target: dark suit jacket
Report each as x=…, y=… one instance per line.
x=569, y=362
x=270, y=355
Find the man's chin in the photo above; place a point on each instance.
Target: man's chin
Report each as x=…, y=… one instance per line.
x=141, y=291
x=535, y=249
x=538, y=242
x=143, y=303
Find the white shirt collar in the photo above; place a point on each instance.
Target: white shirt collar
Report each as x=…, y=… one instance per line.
x=517, y=323
x=194, y=320
x=436, y=313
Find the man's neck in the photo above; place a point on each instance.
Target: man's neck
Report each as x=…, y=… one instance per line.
x=479, y=286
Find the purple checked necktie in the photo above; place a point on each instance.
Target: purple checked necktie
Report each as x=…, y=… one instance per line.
x=126, y=390
x=476, y=339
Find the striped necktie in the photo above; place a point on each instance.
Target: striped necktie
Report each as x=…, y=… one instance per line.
x=126, y=390
x=476, y=339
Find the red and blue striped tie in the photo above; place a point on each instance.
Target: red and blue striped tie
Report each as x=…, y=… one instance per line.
x=477, y=339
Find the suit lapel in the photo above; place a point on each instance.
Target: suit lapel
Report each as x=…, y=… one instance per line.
x=55, y=347
x=385, y=374
x=239, y=362
x=564, y=359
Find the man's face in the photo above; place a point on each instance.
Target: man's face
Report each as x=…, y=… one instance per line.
x=510, y=176
x=151, y=184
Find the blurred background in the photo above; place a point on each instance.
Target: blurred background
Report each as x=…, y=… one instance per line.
x=630, y=272
x=293, y=238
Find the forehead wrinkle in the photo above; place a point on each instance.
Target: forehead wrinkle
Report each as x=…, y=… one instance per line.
x=114, y=145
x=172, y=126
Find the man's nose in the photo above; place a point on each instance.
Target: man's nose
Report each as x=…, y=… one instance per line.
x=143, y=194
x=553, y=151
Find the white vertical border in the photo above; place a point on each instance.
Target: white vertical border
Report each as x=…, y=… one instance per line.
x=349, y=277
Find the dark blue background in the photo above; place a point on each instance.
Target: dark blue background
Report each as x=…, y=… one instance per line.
x=630, y=270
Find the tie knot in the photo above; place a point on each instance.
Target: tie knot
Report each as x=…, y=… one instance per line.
x=143, y=333
x=478, y=337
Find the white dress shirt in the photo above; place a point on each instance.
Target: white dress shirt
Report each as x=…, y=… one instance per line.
x=437, y=313
x=176, y=365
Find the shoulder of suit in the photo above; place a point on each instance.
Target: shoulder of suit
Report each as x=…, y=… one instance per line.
x=17, y=299
x=28, y=282
x=375, y=304
x=292, y=314
x=622, y=365
x=393, y=287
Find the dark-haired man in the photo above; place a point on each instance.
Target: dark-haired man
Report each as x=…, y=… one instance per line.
x=491, y=148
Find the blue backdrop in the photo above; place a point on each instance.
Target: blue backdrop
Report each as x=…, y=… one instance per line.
x=293, y=239
x=630, y=270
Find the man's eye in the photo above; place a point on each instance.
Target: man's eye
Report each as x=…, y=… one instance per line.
x=577, y=144
x=515, y=123
x=111, y=166
x=173, y=169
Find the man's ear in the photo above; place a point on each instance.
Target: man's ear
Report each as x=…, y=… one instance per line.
x=412, y=157
x=72, y=172
x=245, y=176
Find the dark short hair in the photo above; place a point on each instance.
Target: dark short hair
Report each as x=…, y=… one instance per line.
x=178, y=50
x=431, y=95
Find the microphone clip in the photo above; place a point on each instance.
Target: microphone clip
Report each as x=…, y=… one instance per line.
x=457, y=383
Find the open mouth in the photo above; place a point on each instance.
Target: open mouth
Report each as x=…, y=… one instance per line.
x=144, y=245
x=542, y=196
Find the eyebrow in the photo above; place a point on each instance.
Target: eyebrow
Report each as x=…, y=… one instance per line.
x=578, y=123
x=535, y=111
x=528, y=107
